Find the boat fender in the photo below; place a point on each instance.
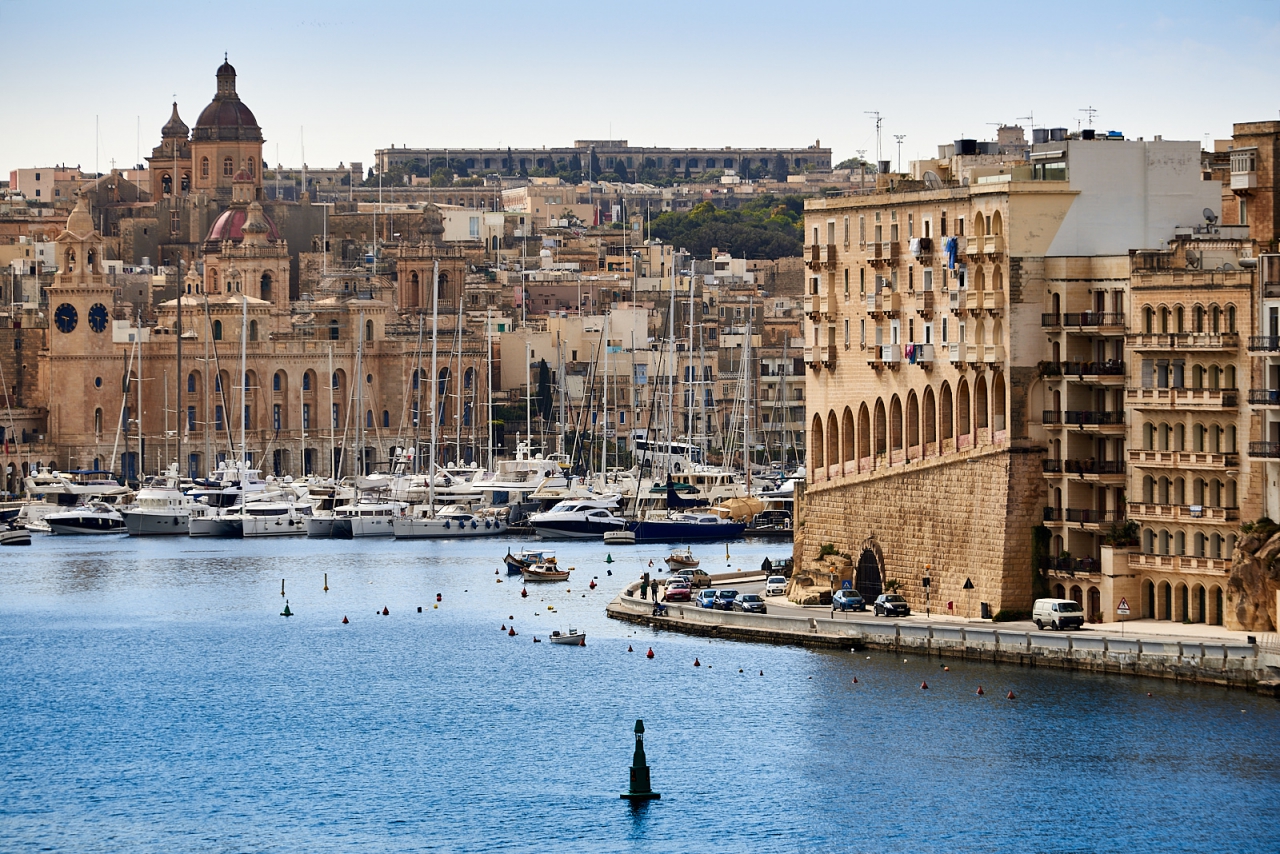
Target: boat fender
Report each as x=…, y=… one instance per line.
x=486, y=524
x=446, y=524
x=473, y=524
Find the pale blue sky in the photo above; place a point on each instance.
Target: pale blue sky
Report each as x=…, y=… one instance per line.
x=364, y=76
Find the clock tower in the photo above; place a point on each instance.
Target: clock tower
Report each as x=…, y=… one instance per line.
x=85, y=376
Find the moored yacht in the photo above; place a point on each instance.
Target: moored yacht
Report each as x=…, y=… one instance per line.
x=579, y=519
x=450, y=522
x=161, y=507
x=274, y=517
x=93, y=517
x=686, y=526
x=366, y=518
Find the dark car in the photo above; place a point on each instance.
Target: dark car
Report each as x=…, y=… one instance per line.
x=848, y=600
x=676, y=591
x=724, y=599
x=891, y=605
x=706, y=599
x=751, y=603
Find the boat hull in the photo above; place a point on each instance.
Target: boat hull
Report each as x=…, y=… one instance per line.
x=620, y=538
x=577, y=529
x=577, y=639
x=685, y=532
x=155, y=524
x=15, y=537
x=545, y=576
x=92, y=525
x=273, y=526
x=370, y=526
x=410, y=528
x=217, y=526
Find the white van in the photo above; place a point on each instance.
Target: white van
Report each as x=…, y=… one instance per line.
x=1059, y=613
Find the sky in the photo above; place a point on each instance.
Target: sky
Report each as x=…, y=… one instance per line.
x=96, y=80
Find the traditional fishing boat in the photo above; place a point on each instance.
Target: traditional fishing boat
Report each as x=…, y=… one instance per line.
x=517, y=563
x=543, y=571
x=572, y=638
x=682, y=559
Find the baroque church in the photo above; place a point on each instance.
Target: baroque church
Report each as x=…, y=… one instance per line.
x=335, y=367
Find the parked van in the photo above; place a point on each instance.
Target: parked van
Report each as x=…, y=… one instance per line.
x=1059, y=613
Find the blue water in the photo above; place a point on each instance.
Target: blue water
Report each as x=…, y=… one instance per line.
x=153, y=700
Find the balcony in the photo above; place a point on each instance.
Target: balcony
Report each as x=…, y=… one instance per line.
x=1203, y=564
x=814, y=261
x=1083, y=517
x=1050, y=320
x=973, y=301
x=1201, y=460
x=1103, y=471
x=924, y=303
x=885, y=252
x=993, y=244
x=812, y=306
x=1265, y=450
x=812, y=357
x=957, y=297
x=1169, y=341
x=993, y=354
x=992, y=301
x=1143, y=512
x=962, y=354
x=1111, y=372
x=828, y=356
x=1184, y=398
x=1244, y=181
x=1051, y=418
x=884, y=303
x=1094, y=420
x=1093, y=321
x=891, y=354
x=830, y=256
x=921, y=354
x=1264, y=343
x=1264, y=396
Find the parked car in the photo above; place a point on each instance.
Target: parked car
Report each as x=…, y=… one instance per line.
x=775, y=586
x=891, y=605
x=1059, y=613
x=706, y=599
x=697, y=577
x=676, y=591
x=848, y=600
x=751, y=603
x=724, y=599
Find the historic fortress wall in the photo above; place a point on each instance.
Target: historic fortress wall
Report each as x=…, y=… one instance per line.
x=968, y=515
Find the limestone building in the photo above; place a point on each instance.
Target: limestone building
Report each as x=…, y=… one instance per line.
x=941, y=414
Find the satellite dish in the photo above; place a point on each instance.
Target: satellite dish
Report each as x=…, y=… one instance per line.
x=1209, y=215
x=1227, y=265
x=931, y=180
x=1193, y=259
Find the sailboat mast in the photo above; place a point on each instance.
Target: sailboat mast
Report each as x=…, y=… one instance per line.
x=178, y=410
x=244, y=391
x=671, y=368
x=332, y=425
x=488, y=327
x=435, y=317
x=604, y=418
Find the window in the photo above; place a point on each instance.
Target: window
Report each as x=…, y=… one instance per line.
x=927, y=275
x=335, y=380
x=333, y=330
x=175, y=221
x=191, y=418
x=249, y=167
x=846, y=231
x=847, y=342
x=862, y=230
x=227, y=167
x=335, y=415
x=306, y=381
x=368, y=330
x=275, y=381
x=275, y=416
x=386, y=418
x=253, y=330
x=862, y=282
x=942, y=225
x=846, y=284
x=191, y=383
x=959, y=226
x=306, y=416
x=368, y=420
x=218, y=423
x=911, y=226
x=1244, y=211
x=217, y=330
x=862, y=333
x=204, y=167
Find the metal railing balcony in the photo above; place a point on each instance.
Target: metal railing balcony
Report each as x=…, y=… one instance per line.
x=1264, y=396
x=1266, y=450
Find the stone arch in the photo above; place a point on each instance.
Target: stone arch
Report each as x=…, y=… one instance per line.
x=895, y=423
x=913, y=419
x=930, y=421
x=816, y=445
x=833, y=438
x=963, y=421
x=846, y=436
x=869, y=574
x=1164, y=601
x=881, y=435
x=864, y=432
x=981, y=410
x=264, y=288
x=998, y=402
x=946, y=410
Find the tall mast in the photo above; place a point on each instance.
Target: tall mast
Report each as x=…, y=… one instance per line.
x=244, y=401
x=435, y=316
x=417, y=399
x=671, y=367
x=302, y=422
x=488, y=335
x=179, y=410
x=604, y=418
x=137, y=396
x=746, y=396
x=359, y=378
x=332, y=425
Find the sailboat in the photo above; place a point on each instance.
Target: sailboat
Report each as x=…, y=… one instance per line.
x=424, y=521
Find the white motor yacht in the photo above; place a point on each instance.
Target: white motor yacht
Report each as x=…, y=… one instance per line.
x=93, y=517
x=450, y=522
x=282, y=517
x=217, y=511
x=579, y=519
x=161, y=507
x=367, y=518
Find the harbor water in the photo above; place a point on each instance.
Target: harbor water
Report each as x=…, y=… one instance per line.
x=154, y=700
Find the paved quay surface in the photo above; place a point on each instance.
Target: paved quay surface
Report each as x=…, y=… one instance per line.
x=1206, y=654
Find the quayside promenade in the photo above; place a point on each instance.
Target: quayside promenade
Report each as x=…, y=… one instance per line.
x=1217, y=658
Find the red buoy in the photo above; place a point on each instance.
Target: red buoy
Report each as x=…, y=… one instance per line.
x=924, y=686
x=649, y=654
x=385, y=612
x=1010, y=697
x=345, y=621
x=511, y=632
x=495, y=572
x=524, y=593
x=697, y=663
x=439, y=598
x=761, y=672
x=980, y=691
x=855, y=680
x=1148, y=693
x=592, y=585
x=629, y=649
x=504, y=627
x=946, y=669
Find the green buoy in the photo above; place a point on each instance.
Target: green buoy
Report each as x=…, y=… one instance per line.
x=640, y=787
x=286, y=612
x=608, y=558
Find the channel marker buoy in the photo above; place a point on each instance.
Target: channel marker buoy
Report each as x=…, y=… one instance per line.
x=640, y=788
x=286, y=612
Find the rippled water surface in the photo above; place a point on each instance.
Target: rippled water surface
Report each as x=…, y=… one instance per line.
x=154, y=700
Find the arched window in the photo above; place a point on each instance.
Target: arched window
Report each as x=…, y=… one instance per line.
x=386, y=418
x=253, y=330
x=204, y=167
x=1178, y=319
x=816, y=446
x=1231, y=318
x=333, y=330
x=97, y=421
x=946, y=411
x=335, y=380
x=980, y=409
x=227, y=167
x=1197, y=319
x=191, y=383
x=368, y=330
x=277, y=381
x=368, y=420
x=249, y=166
x=468, y=378
x=1215, y=319
x=306, y=381
x=264, y=288
x=1229, y=377
x=217, y=330
x=1148, y=320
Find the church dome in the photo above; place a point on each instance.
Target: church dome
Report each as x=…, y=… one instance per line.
x=175, y=128
x=227, y=117
x=230, y=225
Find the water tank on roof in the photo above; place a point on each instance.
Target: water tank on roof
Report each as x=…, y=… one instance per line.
x=1039, y=135
x=1057, y=134
x=988, y=148
x=966, y=146
x=1087, y=133
x=884, y=167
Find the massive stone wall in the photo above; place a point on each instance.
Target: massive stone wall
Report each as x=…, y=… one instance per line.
x=969, y=516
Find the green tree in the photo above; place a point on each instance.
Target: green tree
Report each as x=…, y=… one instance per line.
x=575, y=163
x=442, y=177
x=595, y=170
x=620, y=169
x=780, y=170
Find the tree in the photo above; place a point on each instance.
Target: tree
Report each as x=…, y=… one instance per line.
x=620, y=168
x=544, y=390
x=780, y=170
x=511, y=162
x=575, y=163
x=595, y=166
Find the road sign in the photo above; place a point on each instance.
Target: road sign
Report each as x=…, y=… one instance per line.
x=1123, y=608
x=846, y=585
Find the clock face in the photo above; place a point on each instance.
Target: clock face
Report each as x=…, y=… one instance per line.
x=97, y=317
x=65, y=317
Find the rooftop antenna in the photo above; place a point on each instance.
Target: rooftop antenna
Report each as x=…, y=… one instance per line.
x=899, y=137
x=876, y=113
x=1091, y=111
x=1031, y=118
